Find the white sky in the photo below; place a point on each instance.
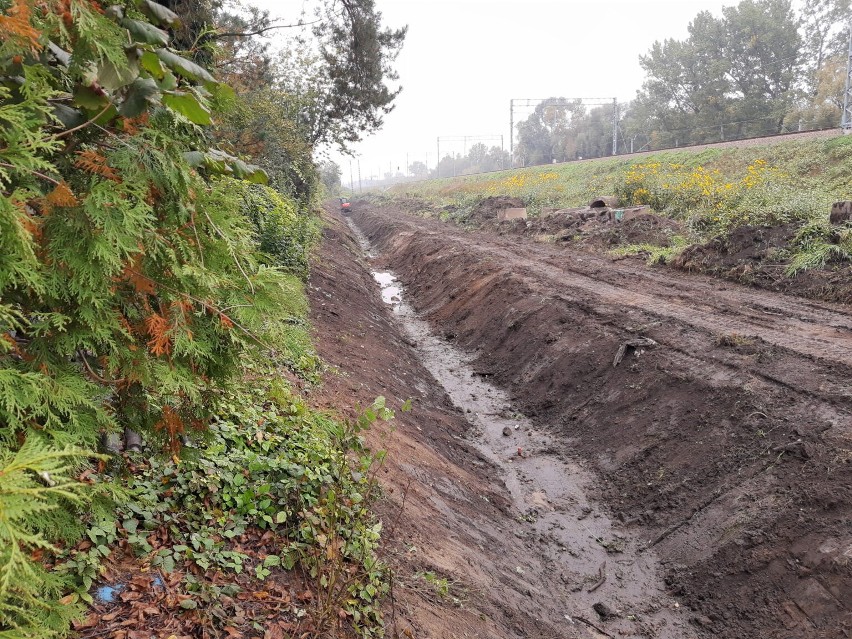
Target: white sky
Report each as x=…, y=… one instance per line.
x=463, y=60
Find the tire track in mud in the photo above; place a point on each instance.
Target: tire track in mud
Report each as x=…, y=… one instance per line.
x=807, y=328
x=729, y=443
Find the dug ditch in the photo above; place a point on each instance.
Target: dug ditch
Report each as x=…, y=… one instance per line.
x=723, y=436
x=612, y=583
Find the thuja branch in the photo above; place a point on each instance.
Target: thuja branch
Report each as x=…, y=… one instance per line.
x=84, y=125
x=32, y=172
x=206, y=305
x=108, y=382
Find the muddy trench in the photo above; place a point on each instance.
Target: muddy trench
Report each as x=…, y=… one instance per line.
x=547, y=489
x=713, y=464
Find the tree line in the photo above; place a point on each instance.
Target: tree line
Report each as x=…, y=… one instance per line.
x=761, y=67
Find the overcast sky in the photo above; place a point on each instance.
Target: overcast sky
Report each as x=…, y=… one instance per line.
x=463, y=60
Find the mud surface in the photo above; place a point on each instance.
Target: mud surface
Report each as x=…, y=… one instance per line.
x=751, y=254
x=599, y=563
x=486, y=542
x=721, y=439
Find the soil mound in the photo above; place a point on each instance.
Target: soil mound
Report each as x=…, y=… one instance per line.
x=746, y=244
x=643, y=229
x=569, y=219
x=755, y=255
x=486, y=210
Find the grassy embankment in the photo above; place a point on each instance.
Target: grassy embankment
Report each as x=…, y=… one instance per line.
x=709, y=192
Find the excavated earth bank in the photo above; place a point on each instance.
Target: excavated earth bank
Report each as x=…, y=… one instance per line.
x=484, y=542
x=722, y=439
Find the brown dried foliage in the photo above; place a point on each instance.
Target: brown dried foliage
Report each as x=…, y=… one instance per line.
x=93, y=162
x=15, y=24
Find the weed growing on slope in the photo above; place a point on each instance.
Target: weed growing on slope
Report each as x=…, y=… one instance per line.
x=714, y=202
x=818, y=244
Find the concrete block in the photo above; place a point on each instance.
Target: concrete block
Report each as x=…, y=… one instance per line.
x=511, y=214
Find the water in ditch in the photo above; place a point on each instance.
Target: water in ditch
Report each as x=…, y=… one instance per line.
x=608, y=575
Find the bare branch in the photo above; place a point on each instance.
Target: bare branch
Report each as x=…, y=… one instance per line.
x=247, y=34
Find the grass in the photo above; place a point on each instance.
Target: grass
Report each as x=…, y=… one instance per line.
x=709, y=191
x=655, y=254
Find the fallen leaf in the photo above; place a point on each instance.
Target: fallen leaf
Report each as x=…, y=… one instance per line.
x=90, y=621
x=109, y=616
x=273, y=632
x=141, y=582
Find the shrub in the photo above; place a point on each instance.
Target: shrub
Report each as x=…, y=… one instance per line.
x=282, y=232
x=130, y=285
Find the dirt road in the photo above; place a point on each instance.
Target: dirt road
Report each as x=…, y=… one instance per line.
x=721, y=440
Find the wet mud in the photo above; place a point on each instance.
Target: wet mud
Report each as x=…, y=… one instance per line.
x=592, y=558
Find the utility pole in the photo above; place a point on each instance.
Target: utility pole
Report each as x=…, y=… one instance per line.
x=438, y=164
x=564, y=103
x=360, y=188
x=351, y=181
x=501, y=153
x=846, y=120
x=615, y=126
x=512, y=133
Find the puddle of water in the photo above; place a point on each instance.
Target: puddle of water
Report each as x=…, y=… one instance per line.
x=391, y=290
x=591, y=559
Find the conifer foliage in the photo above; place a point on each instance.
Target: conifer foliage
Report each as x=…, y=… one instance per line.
x=129, y=282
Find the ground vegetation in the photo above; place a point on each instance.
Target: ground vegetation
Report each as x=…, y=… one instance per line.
x=710, y=194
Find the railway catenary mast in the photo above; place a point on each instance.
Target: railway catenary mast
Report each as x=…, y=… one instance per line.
x=562, y=102
x=846, y=118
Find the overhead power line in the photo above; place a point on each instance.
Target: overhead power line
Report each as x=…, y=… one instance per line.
x=564, y=103
x=466, y=139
